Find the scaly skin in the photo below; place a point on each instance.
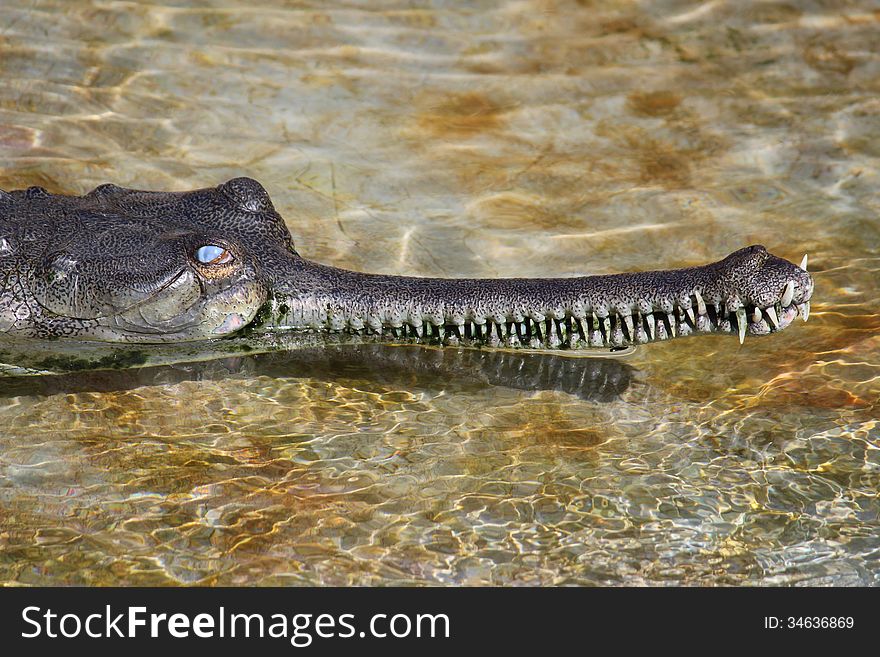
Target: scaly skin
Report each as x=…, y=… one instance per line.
x=120, y=265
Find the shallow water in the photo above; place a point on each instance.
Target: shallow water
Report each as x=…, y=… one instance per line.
x=518, y=138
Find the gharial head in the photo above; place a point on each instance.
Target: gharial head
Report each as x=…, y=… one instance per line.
x=131, y=266
x=122, y=265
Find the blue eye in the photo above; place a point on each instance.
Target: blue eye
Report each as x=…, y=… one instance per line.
x=211, y=254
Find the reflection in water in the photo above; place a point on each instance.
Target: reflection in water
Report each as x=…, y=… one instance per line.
x=531, y=138
x=596, y=379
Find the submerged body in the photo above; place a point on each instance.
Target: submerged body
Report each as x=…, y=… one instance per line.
x=126, y=266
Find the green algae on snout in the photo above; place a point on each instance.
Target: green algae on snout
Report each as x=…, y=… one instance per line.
x=34, y=358
x=116, y=361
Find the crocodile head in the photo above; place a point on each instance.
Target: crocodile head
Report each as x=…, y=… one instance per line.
x=121, y=265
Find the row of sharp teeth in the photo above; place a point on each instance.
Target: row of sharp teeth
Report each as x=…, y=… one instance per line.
x=573, y=332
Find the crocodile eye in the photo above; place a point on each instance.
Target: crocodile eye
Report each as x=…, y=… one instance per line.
x=211, y=254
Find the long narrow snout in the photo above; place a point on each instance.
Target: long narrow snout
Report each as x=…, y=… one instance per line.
x=749, y=292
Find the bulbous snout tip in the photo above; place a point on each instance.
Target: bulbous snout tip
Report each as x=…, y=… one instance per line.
x=782, y=291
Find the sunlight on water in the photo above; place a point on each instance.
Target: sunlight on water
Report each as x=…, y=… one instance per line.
x=528, y=138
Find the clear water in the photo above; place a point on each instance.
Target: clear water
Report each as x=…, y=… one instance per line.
x=496, y=139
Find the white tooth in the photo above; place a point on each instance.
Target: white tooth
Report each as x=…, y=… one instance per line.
x=690, y=312
x=805, y=310
x=804, y=263
x=672, y=327
x=652, y=328
x=606, y=323
x=741, y=324
x=771, y=314
x=701, y=305
x=788, y=295
x=418, y=330
x=756, y=315
x=629, y=326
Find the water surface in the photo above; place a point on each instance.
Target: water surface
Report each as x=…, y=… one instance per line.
x=522, y=138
